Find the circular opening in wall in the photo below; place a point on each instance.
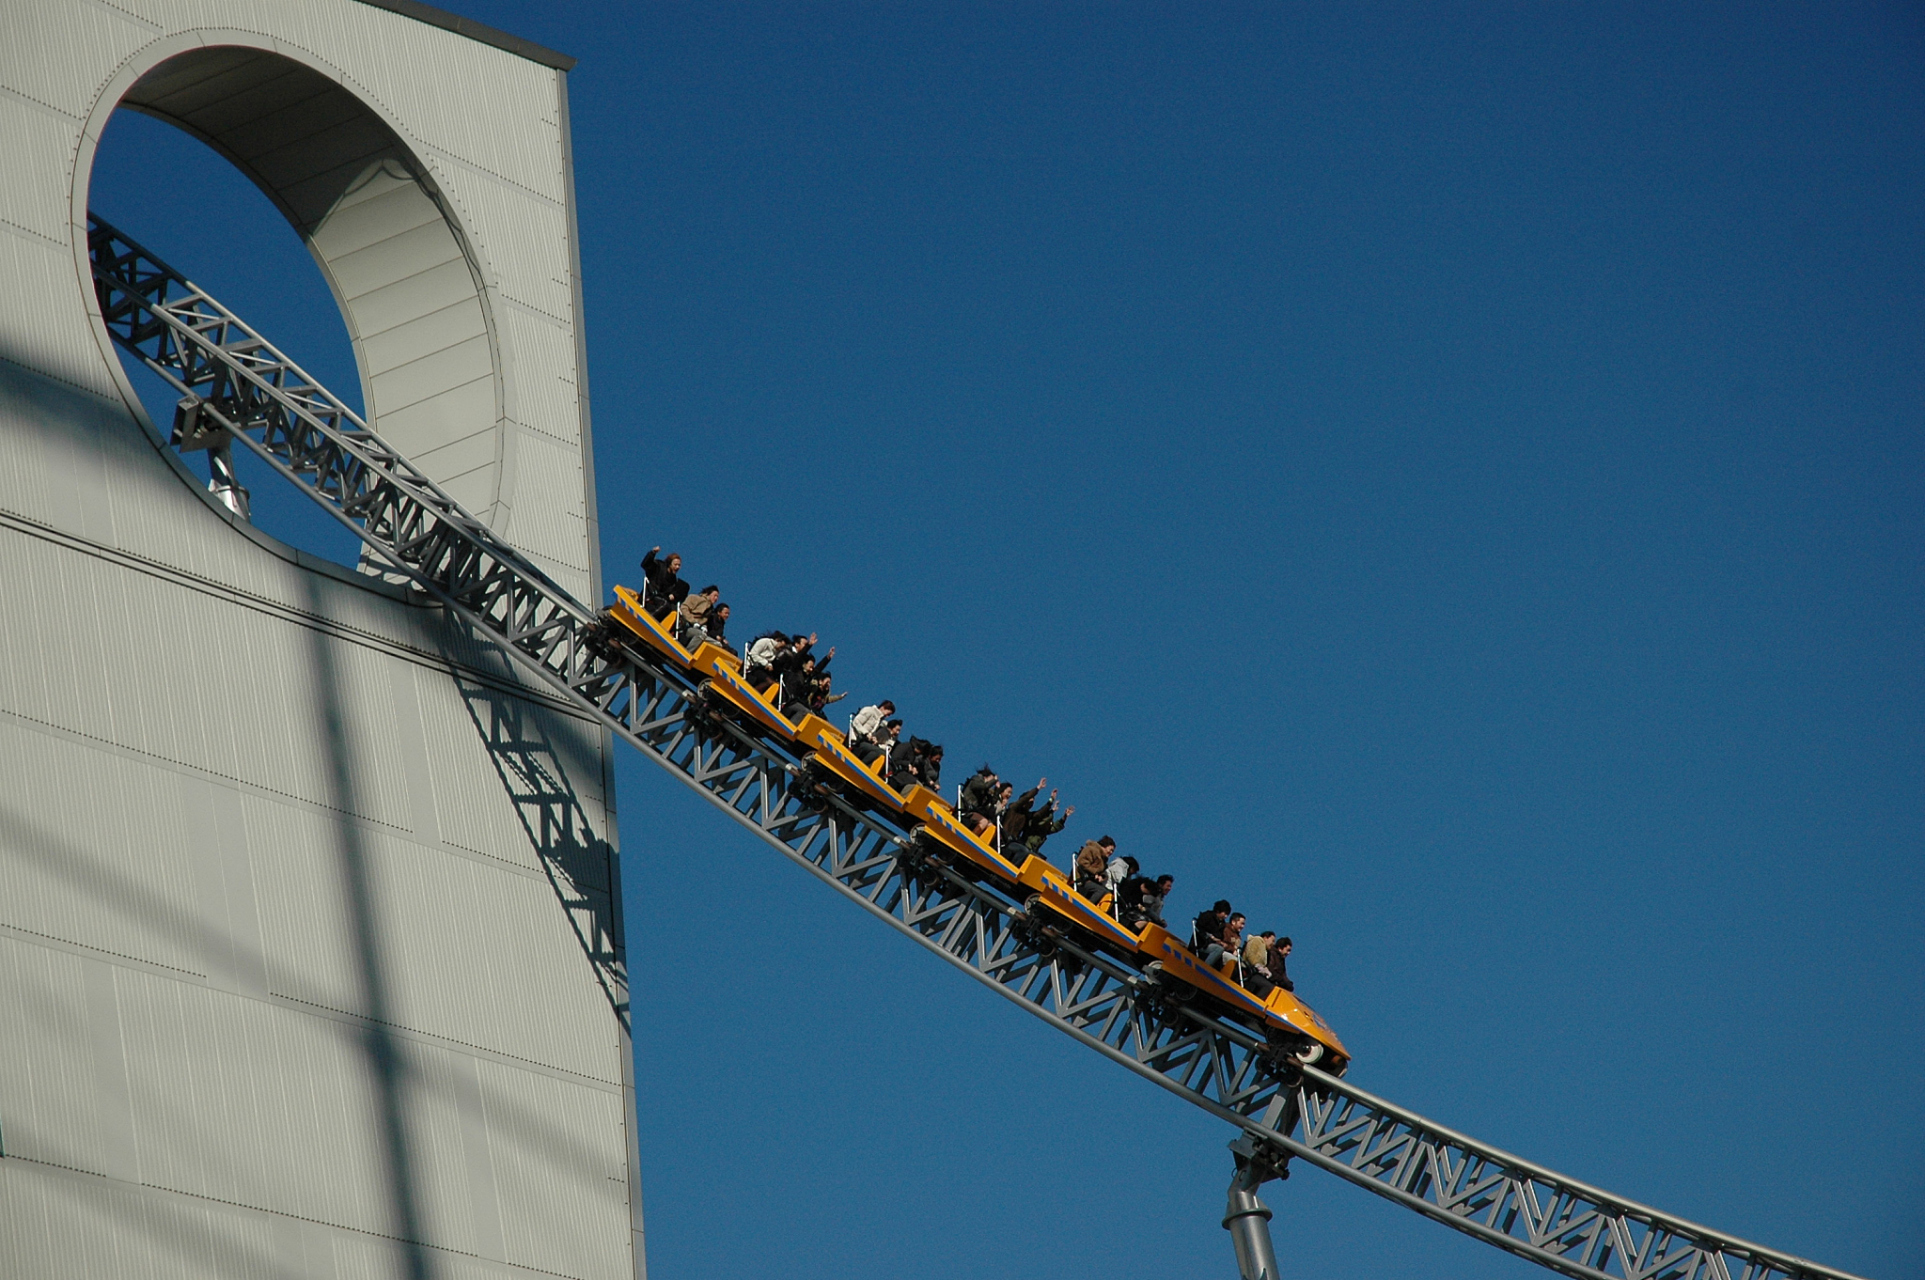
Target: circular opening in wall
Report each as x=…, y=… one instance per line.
x=292, y=203
x=201, y=215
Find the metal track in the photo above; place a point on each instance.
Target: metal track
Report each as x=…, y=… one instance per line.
x=231, y=375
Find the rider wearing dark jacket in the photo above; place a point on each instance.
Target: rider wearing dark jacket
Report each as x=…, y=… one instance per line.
x=663, y=589
x=1044, y=823
x=1143, y=900
x=1017, y=815
x=915, y=762
x=1209, y=926
x=979, y=793
x=1279, y=953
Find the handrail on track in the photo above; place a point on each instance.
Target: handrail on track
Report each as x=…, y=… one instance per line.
x=268, y=404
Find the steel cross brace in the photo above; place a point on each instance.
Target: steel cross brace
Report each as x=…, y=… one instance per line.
x=264, y=401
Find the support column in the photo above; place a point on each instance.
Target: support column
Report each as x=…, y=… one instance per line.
x=194, y=430
x=1247, y=1218
x=222, y=481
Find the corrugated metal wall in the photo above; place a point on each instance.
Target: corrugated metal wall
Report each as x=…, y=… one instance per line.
x=307, y=902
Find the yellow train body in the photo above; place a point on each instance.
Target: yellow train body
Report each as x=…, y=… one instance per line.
x=629, y=612
x=940, y=822
x=1035, y=880
x=743, y=696
x=1283, y=1006
x=844, y=763
x=1054, y=890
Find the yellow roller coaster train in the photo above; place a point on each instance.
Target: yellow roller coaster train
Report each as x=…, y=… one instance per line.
x=1289, y=1024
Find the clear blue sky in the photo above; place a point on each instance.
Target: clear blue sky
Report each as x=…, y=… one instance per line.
x=1447, y=479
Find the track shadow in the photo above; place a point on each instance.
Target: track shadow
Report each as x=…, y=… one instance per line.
x=95, y=439
x=533, y=768
x=580, y=865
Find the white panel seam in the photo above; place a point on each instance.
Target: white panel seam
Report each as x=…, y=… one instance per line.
x=41, y=236
x=148, y=1188
x=389, y=284
x=106, y=397
x=456, y=305
x=539, y=314
x=388, y=410
x=65, y=117
x=34, y=937
x=259, y=792
x=254, y=788
x=532, y=309
x=126, y=15
x=573, y=446
x=475, y=470
x=510, y=183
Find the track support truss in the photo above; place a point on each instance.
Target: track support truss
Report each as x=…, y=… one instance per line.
x=238, y=387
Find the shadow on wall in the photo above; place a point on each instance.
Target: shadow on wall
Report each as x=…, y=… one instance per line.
x=387, y=1066
x=91, y=436
x=95, y=438
x=580, y=864
x=535, y=1134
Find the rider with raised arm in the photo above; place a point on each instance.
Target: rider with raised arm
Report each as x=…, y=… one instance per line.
x=662, y=589
x=1044, y=823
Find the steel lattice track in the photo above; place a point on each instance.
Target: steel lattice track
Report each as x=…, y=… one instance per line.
x=264, y=401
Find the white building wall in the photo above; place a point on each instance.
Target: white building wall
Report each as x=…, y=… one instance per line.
x=309, y=954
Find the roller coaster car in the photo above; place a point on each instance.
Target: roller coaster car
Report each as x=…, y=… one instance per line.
x=1050, y=889
x=1290, y=1025
x=628, y=611
x=1293, y=1028
x=1300, y=1031
x=940, y=823
x=723, y=668
x=833, y=755
x=708, y=656
x=742, y=695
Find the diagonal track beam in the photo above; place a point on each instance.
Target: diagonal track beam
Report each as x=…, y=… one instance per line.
x=265, y=402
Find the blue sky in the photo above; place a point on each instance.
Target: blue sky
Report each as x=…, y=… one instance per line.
x=1447, y=479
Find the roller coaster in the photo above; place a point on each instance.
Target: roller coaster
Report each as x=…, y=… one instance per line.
x=1268, y=1067
x=1052, y=908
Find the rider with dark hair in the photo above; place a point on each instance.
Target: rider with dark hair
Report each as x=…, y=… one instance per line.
x=764, y=652
x=1091, y=862
x=1209, y=926
x=663, y=589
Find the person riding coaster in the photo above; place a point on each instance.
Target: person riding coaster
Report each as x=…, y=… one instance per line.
x=1052, y=905
x=1292, y=1028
